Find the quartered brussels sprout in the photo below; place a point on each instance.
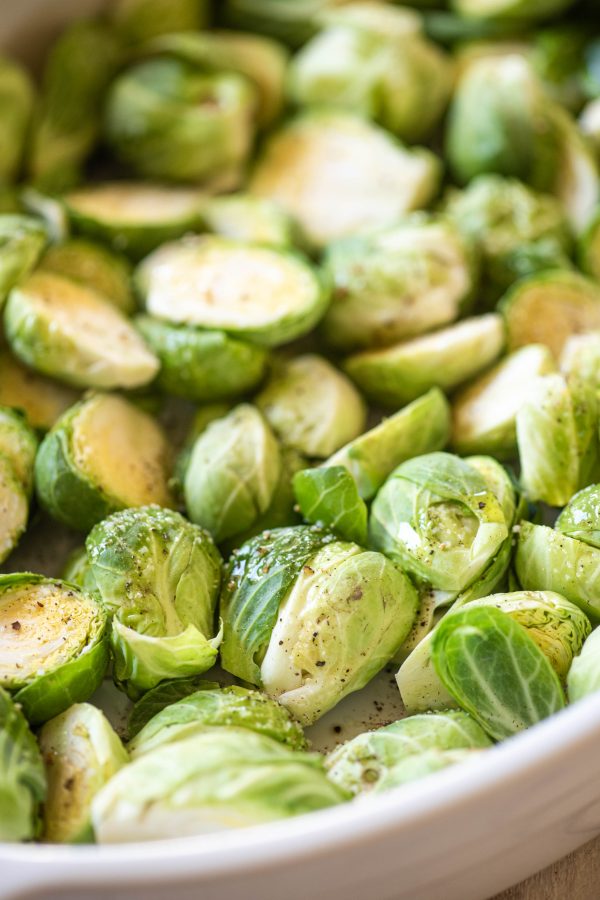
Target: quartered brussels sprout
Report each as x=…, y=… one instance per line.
x=22, y=778
x=549, y=307
x=17, y=98
x=518, y=230
x=40, y=399
x=243, y=217
x=337, y=174
x=584, y=674
x=363, y=763
x=589, y=248
x=264, y=294
x=140, y=20
x=22, y=241
x=159, y=577
x=95, y=266
x=103, y=454
x=54, y=648
x=396, y=375
x=397, y=283
x=220, y=779
x=328, y=496
x=312, y=406
x=77, y=73
x=233, y=471
x=311, y=619
x=518, y=690
x=208, y=708
x=525, y=11
x=69, y=331
x=201, y=364
x=165, y=118
x=134, y=217
x=421, y=427
x=81, y=753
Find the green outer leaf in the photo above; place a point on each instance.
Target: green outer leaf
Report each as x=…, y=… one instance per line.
x=584, y=675
x=259, y=576
x=328, y=496
x=164, y=694
x=580, y=519
x=22, y=775
x=495, y=671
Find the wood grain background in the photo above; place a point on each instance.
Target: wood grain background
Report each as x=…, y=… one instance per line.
x=576, y=877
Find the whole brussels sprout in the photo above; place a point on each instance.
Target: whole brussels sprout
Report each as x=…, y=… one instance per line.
x=41, y=400
x=220, y=779
x=159, y=577
x=17, y=98
x=311, y=619
x=140, y=20
x=22, y=778
x=584, y=674
x=81, y=753
x=22, y=242
x=312, y=406
x=93, y=265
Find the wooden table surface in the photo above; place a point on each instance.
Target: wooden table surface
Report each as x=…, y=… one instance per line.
x=576, y=877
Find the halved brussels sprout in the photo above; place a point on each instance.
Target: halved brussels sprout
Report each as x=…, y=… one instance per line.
x=201, y=364
x=53, y=641
x=223, y=778
x=220, y=707
x=362, y=763
x=165, y=118
x=584, y=674
x=547, y=308
x=577, y=180
x=495, y=670
x=421, y=427
x=81, y=753
x=22, y=241
x=265, y=294
x=141, y=20
x=312, y=619
x=589, y=248
x=243, y=217
x=104, y=454
x=164, y=694
x=77, y=73
x=325, y=155
x=17, y=97
x=64, y=329
x=41, y=399
x=396, y=375
x=580, y=519
x=439, y=518
x=22, y=777
x=232, y=473
x=484, y=413
x=312, y=406
x=519, y=10
x=159, y=577
x=328, y=496
x=557, y=436
x=94, y=266
x=135, y=217
x=398, y=283
x=18, y=445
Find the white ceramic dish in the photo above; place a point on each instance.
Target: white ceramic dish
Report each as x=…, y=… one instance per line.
x=463, y=834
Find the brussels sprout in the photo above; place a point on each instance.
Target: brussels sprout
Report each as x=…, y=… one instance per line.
x=292, y=21
x=580, y=519
x=311, y=406
x=584, y=674
x=16, y=106
x=220, y=779
x=495, y=670
x=549, y=307
x=77, y=73
x=164, y=694
x=133, y=217
x=397, y=283
x=208, y=708
x=421, y=427
x=165, y=118
x=204, y=281
x=393, y=76
x=40, y=399
x=361, y=764
x=589, y=123
x=54, y=650
x=484, y=413
x=589, y=248
x=18, y=445
x=95, y=266
x=547, y=560
x=311, y=619
x=325, y=155
x=200, y=421
x=525, y=10
x=518, y=230
x=243, y=217
x=202, y=365
x=414, y=767
x=329, y=496
x=159, y=576
x=15, y=507
x=77, y=570
x=104, y=454
x=81, y=753
x=64, y=329
x=557, y=436
x=376, y=18
x=577, y=180
x=22, y=241
x=49, y=209
x=141, y=20
x=439, y=518
x=580, y=358
x=22, y=778
x=396, y=375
